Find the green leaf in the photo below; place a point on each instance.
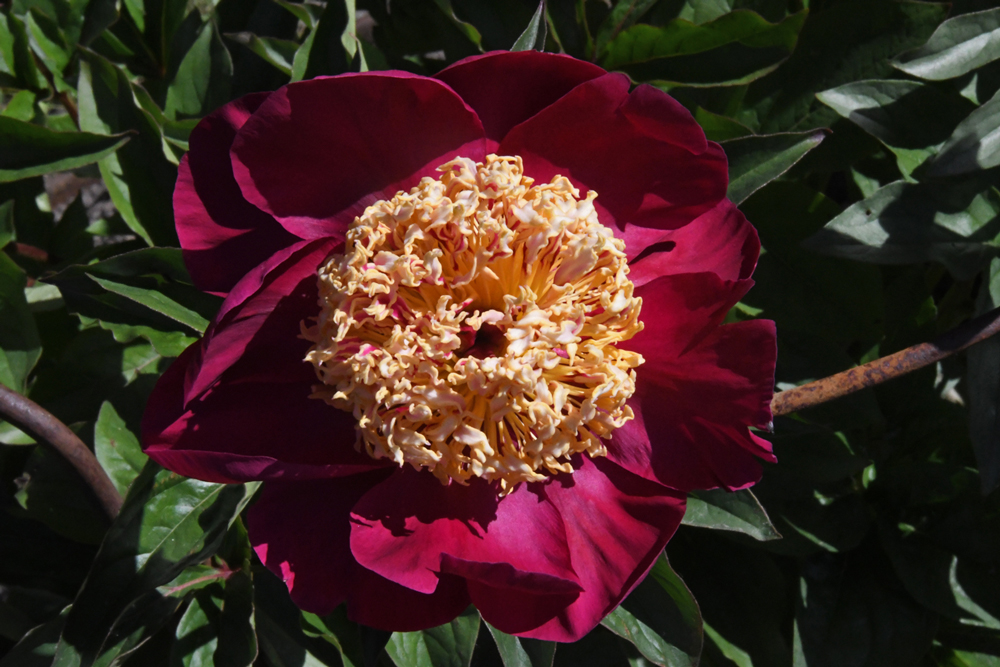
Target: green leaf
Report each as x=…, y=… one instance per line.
x=156, y=301
x=279, y=629
x=278, y=52
x=729, y=650
x=756, y=161
x=51, y=491
x=837, y=47
x=144, y=293
x=661, y=618
x=905, y=224
x=7, y=231
x=117, y=448
x=20, y=347
x=907, y=114
x=848, y=616
x=31, y=150
x=139, y=181
x=49, y=41
x=975, y=144
x=521, y=651
x=718, y=127
x=448, y=645
x=307, y=13
x=18, y=63
x=958, y=46
x=984, y=389
x=466, y=28
x=237, y=638
x=21, y=106
x=337, y=629
x=204, y=77
x=735, y=48
x=624, y=14
x=323, y=52
x=98, y=16
x=738, y=511
x=196, y=634
x=909, y=117
x=807, y=294
x=533, y=36
x=36, y=648
x=166, y=524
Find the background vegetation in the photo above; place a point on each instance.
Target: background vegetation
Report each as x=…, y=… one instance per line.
x=864, y=144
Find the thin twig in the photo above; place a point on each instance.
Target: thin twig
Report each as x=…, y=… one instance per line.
x=887, y=368
x=44, y=427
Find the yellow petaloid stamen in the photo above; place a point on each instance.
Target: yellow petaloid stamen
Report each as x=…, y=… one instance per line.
x=470, y=326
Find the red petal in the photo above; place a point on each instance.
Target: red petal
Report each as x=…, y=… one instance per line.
x=617, y=524
x=243, y=430
x=514, y=610
x=642, y=153
x=412, y=526
x=222, y=234
x=720, y=241
x=317, y=152
x=693, y=411
x=261, y=316
x=679, y=310
x=505, y=88
x=236, y=406
x=379, y=603
x=301, y=532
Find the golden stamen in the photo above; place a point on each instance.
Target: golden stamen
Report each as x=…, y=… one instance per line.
x=470, y=326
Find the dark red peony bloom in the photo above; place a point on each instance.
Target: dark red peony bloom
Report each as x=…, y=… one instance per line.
x=462, y=377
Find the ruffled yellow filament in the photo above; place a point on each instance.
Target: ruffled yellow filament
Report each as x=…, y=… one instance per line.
x=470, y=326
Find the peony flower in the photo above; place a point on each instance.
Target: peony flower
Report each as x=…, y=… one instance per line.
x=471, y=337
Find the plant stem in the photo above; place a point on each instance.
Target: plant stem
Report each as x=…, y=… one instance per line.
x=44, y=427
x=878, y=371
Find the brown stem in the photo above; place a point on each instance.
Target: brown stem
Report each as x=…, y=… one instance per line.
x=70, y=107
x=886, y=368
x=42, y=424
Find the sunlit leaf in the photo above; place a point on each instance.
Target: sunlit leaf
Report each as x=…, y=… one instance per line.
x=31, y=150
x=975, y=144
x=117, y=448
x=735, y=48
x=757, y=160
x=448, y=645
x=167, y=523
x=959, y=45
x=522, y=652
x=661, y=618
x=20, y=347
x=533, y=36
x=737, y=511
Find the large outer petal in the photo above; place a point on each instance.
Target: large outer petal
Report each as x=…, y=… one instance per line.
x=617, y=524
x=261, y=316
x=720, y=241
x=693, y=410
x=236, y=406
x=505, y=88
x=412, y=526
x=222, y=234
x=642, y=152
x=301, y=532
x=317, y=152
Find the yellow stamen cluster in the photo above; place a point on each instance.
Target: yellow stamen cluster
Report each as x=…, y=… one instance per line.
x=470, y=326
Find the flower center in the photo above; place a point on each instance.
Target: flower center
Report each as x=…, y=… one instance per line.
x=470, y=326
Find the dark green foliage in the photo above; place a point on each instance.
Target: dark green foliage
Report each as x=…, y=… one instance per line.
x=863, y=139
